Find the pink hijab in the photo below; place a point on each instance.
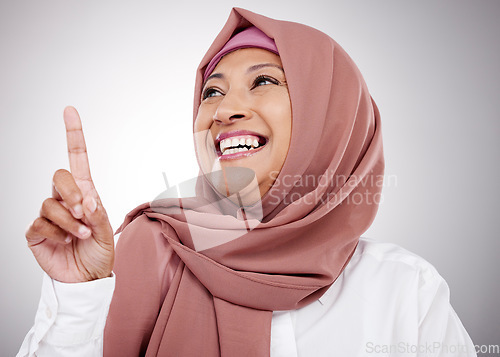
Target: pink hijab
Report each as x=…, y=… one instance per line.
x=172, y=299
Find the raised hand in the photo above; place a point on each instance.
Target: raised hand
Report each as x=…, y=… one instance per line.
x=72, y=239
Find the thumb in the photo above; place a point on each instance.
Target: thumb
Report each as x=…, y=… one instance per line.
x=97, y=220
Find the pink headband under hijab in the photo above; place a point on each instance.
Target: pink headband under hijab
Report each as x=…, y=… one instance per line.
x=249, y=37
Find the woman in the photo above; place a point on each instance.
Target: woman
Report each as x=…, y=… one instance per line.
x=266, y=259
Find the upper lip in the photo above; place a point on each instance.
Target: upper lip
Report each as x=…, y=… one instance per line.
x=229, y=134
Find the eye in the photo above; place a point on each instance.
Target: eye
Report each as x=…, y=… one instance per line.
x=263, y=80
x=211, y=92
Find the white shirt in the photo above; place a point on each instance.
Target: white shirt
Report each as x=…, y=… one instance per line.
x=387, y=302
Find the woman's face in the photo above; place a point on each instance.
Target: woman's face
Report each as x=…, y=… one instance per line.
x=246, y=107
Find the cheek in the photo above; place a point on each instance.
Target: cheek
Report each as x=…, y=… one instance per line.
x=282, y=129
x=203, y=144
x=281, y=123
x=200, y=123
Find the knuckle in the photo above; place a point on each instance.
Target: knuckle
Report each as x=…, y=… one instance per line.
x=47, y=204
x=59, y=173
x=37, y=224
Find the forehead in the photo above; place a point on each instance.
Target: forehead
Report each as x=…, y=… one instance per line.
x=245, y=57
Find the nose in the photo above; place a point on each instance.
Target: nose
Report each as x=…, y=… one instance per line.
x=233, y=107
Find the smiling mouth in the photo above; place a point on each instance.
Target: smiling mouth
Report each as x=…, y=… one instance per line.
x=238, y=144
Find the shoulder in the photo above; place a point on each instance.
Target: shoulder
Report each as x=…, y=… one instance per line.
x=391, y=259
x=387, y=288
x=142, y=244
x=386, y=297
x=386, y=276
x=138, y=230
x=390, y=252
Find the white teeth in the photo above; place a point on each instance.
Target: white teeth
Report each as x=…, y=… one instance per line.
x=226, y=143
x=230, y=145
x=233, y=151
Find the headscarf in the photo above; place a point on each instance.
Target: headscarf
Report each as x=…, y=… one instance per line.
x=218, y=301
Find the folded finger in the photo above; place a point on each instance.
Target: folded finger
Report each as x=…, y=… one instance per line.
x=64, y=188
x=97, y=219
x=54, y=211
x=41, y=229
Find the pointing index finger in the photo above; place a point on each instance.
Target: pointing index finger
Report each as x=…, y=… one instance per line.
x=77, y=151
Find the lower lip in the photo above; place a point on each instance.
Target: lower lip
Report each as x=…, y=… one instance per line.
x=241, y=155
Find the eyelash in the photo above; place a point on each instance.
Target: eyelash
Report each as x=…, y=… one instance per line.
x=264, y=78
x=208, y=91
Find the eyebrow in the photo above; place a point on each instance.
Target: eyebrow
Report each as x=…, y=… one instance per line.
x=250, y=69
x=215, y=75
x=256, y=67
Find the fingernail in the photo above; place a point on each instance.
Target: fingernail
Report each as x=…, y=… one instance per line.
x=68, y=239
x=78, y=209
x=92, y=206
x=84, y=232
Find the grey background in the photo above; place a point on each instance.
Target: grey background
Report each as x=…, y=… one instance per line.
x=128, y=67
